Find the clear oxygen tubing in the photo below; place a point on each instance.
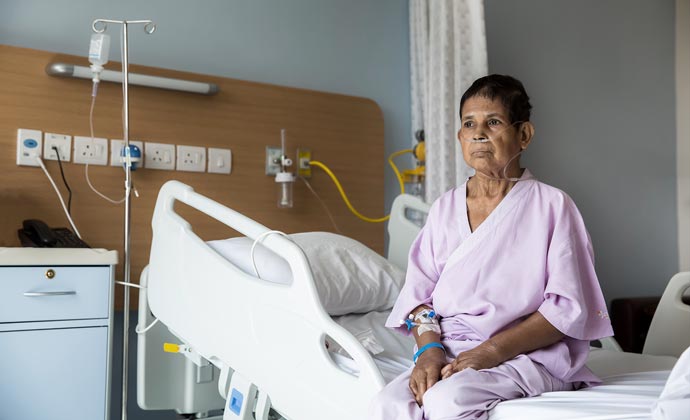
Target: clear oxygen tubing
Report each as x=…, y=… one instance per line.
x=488, y=139
x=325, y=207
x=257, y=241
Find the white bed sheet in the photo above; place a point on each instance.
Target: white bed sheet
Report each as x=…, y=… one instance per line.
x=631, y=382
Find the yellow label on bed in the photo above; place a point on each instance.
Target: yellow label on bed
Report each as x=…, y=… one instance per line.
x=171, y=348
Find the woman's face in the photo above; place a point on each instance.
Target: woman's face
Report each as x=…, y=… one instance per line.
x=488, y=138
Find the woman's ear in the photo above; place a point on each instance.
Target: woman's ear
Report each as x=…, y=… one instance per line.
x=526, y=134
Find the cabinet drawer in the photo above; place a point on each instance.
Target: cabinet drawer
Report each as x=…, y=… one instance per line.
x=33, y=294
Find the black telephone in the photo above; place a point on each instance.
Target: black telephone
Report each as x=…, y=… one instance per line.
x=37, y=234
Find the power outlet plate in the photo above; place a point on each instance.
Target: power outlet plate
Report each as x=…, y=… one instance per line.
x=159, y=156
x=116, y=147
x=191, y=159
x=29, y=146
x=92, y=151
x=219, y=161
x=272, y=160
x=62, y=142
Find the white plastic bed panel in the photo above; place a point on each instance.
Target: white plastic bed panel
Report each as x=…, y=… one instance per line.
x=206, y=301
x=401, y=230
x=672, y=314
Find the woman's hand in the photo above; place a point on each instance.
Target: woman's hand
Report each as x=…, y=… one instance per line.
x=484, y=356
x=426, y=372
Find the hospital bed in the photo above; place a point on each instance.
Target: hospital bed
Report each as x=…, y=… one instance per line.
x=269, y=342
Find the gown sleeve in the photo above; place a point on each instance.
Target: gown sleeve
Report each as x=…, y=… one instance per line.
x=573, y=301
x=422, y=274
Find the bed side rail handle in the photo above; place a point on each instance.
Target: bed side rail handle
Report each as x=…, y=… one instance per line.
x=175, y=190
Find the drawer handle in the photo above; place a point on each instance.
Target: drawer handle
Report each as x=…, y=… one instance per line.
x=40, y=294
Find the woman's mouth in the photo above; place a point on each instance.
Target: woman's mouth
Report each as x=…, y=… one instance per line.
x=482, y=152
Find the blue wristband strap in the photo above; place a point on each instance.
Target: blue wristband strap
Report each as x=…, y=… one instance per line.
x=427, y=347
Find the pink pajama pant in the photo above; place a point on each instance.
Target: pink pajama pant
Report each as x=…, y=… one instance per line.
x=468, y=394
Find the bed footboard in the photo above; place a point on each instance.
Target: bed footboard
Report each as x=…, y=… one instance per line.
x=271, y=334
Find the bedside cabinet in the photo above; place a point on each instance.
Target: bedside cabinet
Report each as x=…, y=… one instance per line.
x=56, y=323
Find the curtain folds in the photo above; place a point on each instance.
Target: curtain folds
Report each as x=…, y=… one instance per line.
x=448, y=52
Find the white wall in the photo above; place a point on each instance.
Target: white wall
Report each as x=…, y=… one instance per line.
x=601, y=78
x=354, y=47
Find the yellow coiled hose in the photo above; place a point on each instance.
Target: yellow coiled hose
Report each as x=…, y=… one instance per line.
x=342, y=191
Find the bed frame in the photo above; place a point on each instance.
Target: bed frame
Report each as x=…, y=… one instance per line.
x=276, y=358
x=275, y=355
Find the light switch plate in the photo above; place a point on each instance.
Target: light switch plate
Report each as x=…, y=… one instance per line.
x=219, y=161
x=93, y=151
x=159, y=156
x=29, y=146
x=63, y=142
x=116, y=147
x=191, y=159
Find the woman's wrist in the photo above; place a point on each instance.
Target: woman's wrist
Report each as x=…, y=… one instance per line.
x=427, y=348
x=495, y=349
x=433, y=353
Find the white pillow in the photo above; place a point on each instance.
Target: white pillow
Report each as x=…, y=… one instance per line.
x=349, y=277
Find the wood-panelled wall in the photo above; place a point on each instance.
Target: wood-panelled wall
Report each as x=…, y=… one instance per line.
x=342, y=131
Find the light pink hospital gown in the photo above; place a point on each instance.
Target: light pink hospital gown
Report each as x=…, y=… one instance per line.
x=532, y=253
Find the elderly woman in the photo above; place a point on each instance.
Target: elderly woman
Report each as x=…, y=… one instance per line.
x=501, y=294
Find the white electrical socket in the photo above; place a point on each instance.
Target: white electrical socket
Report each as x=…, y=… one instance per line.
x=29, y=146
x=63, y=143
x=116, y=148
x=159, y=156
x=219, y=161
x=92, y=151
x=191, y=159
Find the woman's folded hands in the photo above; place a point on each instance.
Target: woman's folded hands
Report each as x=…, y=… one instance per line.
x=484, y=356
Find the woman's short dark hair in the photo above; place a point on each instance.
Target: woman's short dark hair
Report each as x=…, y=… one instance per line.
x=508, y=89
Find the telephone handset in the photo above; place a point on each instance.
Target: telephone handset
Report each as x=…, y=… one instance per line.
x=37, y=234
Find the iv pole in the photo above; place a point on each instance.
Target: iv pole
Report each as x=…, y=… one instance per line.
x=149, y=28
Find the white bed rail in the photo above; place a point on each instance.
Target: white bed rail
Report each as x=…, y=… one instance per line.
x=402, y=228
x=669, y=332
x=271, y=333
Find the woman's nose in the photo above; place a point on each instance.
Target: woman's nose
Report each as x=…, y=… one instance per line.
x=479, y=134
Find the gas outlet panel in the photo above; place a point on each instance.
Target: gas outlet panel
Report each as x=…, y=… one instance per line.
x=29, y=146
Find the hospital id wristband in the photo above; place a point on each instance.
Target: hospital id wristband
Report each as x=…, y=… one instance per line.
x=425, y=348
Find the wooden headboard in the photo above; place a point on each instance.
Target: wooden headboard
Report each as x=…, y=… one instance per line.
x=344, y=132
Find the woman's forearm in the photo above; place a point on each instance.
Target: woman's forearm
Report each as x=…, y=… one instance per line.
x=531, y=334
x=426, y=337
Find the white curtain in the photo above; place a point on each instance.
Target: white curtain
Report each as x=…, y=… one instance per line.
x=448, y=52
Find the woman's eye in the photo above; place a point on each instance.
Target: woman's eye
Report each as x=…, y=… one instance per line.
x=494, y=122
x=468, y=124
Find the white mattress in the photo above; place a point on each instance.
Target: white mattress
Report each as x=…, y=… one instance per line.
x=631, y=382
